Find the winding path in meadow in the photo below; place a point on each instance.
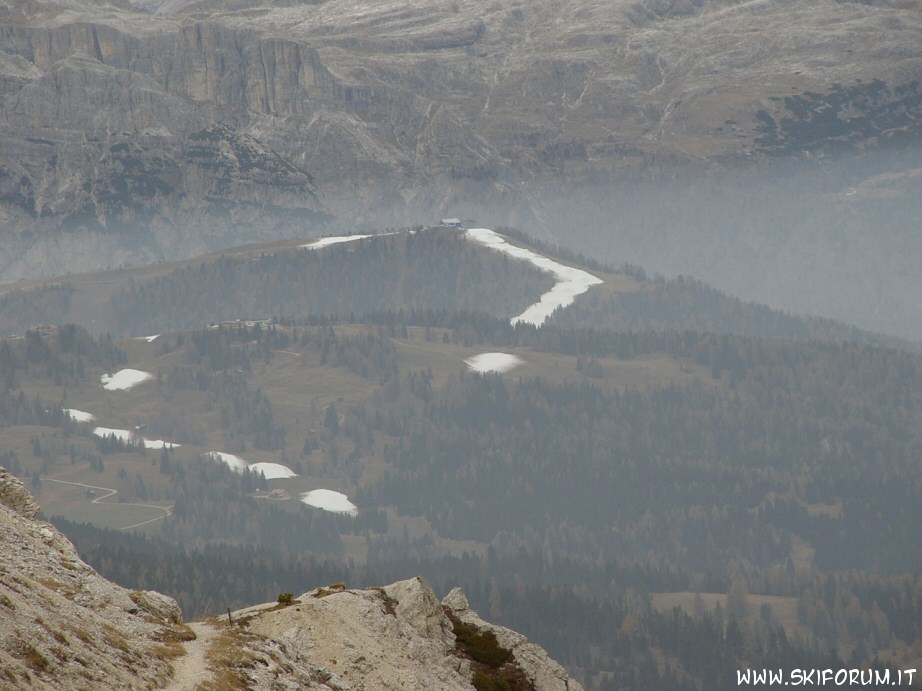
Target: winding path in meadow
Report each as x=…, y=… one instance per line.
x=167, y=510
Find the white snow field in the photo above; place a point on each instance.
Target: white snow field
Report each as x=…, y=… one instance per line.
x=326, y=242
x=570, y=282
x=339, y=239
x=159, y=444
x=79, y=415
x=328, y=500
x=493, y=362
x=120, y=434
x=130, y=437
x=124, y=379
x=271, y=471
x=236, y=463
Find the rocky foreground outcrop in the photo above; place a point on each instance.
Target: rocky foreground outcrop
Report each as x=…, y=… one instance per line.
x=66, y=627
x=399, y=637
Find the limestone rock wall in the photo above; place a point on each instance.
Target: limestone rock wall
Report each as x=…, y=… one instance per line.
x=368, y=114
x=64, y=626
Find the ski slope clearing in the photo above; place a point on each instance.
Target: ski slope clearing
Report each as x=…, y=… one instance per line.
x=494, y=362
x=328, y=500
x=271, y=471
x=79, y=415
x=570, y=281
x=124, y=379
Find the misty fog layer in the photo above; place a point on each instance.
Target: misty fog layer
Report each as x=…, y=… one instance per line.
x=837, y=238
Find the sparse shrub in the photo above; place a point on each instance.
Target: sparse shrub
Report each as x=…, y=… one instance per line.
x=168, y=651
x=481, y=646
x=390, y=604
x=490, y=682
x=229, y=659
x=34, y=659
x=115, y=639
x=84, y=636
x=333, y=588
x=58, y=636
x=178, y=633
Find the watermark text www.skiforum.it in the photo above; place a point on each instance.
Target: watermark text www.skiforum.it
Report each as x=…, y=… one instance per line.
x=825, y=678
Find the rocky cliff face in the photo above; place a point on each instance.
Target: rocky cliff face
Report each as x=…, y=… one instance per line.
x=66, y=627
x=401, y=637
x=134, y=131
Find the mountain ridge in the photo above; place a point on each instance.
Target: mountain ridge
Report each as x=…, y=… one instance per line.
x=286, y=282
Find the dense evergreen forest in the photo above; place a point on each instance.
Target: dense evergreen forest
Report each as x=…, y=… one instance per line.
x=769, y=485
x=420, y=270
x=685, y=303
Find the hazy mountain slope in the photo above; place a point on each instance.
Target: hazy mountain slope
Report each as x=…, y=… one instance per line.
x=432, y=269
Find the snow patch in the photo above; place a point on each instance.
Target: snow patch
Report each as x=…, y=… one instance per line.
x=120, y=434
x=339, y=239
x=129, y=437
x=79, y=415
x=570, y=281
x=328, y=500
x=124, y=379
x=493, y=362
x=272, y=471
x=326, y=242
x=235, y=463
x=159, y=444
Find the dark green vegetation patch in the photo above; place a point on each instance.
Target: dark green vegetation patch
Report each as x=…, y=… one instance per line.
x=480, y=646
x=859, y=115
